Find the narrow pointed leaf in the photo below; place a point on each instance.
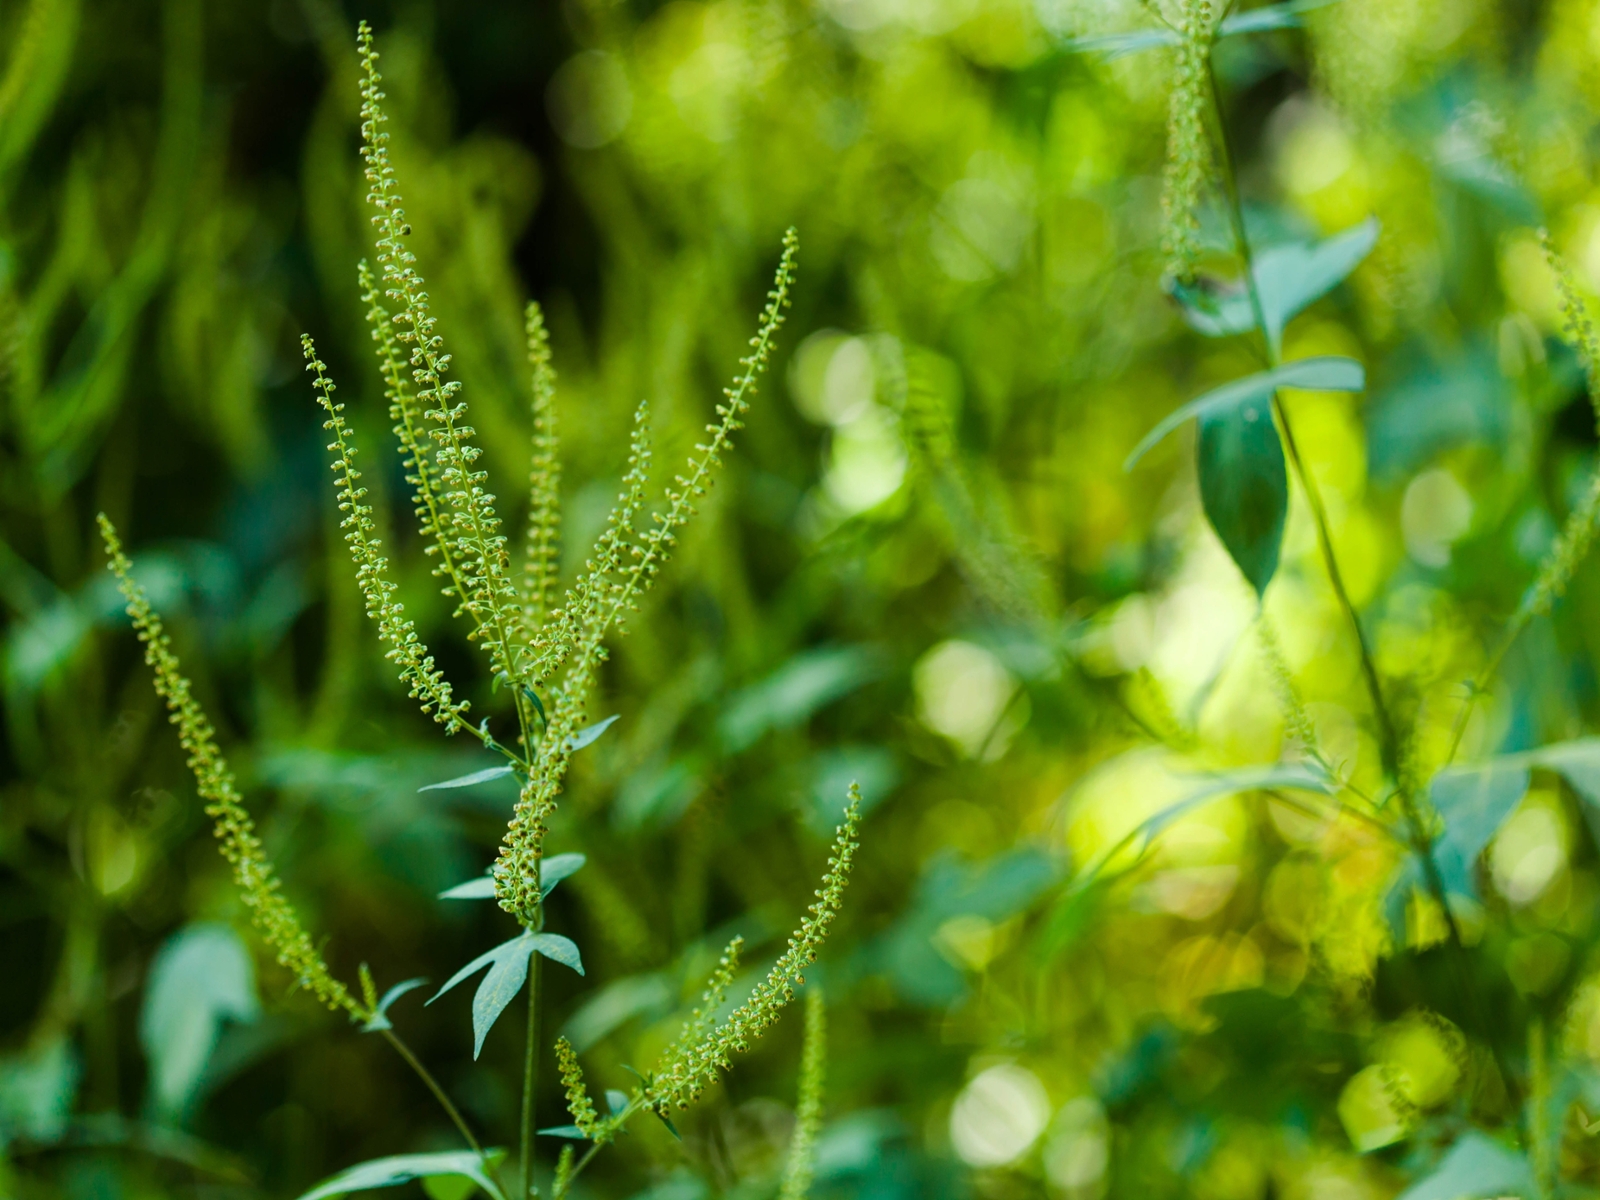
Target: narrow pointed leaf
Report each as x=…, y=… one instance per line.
x=481, y=888
x=616, y=1100
x=1328, y=373
x=1244, y=485
x=380, y=1019
x=403, y=1168
x=566, y=1131
x=507, y=974
x=558, y=949
x=461, y=781
x=557, y=867
x=1272, y=16
x=588, y=734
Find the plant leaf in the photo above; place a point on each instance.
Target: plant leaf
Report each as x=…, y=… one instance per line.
x=588, y=734
x=202, y=976
x=1259, y=20
x=508, y=969
x=566, y=1131
x=461, y=781
x=1328, y=373
x=616, y=1100
x=1474, y=802
x=403, y=1168
x=557, y=867
x=380, y=1018
x=554, y=869
x=558, y=949
x=481, y=888
x=1244, y=485
x=1289, y=278
x=1476, y=1166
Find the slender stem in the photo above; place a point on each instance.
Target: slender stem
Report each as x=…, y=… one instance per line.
x=433, y=1086
x=1388, y=741
x=634, y=1106
x=530, y=1076
x=1421, y=840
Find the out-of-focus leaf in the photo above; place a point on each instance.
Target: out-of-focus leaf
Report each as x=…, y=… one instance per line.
x=800, y=687
x=587, y=735
x=1436, y=407
x=1329, y=373
x=461, y=781
x=1244, y=485
x=1288, y=279
x=1475, y=1167
x=380, y=1017
x=201, y=977
x=566, y=1131
x=616, y=1004
x=1474, y=802
x=403, y=1168
x=616, y=1100
x=37, y=1087
x=1258, y=20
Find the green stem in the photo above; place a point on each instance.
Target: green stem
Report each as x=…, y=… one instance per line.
x=433, y=1086
x=1388, y=740
x=530, y=1076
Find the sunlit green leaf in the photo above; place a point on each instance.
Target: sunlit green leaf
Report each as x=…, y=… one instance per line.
x=403, y=1168
x=481, y=888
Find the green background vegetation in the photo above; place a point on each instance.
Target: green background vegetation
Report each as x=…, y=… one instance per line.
x=925, y=570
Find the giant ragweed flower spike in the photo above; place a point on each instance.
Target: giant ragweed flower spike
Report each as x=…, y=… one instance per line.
x=258, y=885
x=578, y=1102
x=471, y=529
x=693, y=1063
x=608, y=590
x=406, y=650
x=542, y=551
x=1188, y=149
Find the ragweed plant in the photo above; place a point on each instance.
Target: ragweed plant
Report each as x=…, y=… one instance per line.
x=544, y=647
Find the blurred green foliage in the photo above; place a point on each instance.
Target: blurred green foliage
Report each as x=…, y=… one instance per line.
x=926, y=570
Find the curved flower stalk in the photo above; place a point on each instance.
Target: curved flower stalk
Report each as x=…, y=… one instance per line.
x=258, y=884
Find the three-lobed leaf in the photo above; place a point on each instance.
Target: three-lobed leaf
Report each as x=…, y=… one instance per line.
x=403, y=1168
x=508, y=971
